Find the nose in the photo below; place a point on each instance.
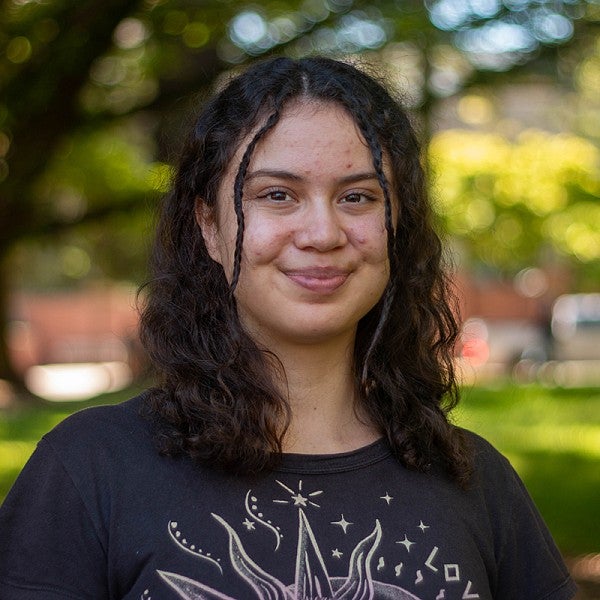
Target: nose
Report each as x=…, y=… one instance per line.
x=321, y=228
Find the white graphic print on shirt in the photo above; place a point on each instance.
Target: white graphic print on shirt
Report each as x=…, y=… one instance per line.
x=312, y=580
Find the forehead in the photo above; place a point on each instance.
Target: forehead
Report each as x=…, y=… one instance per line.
x=300, y=113
x=309, y=109
x=311, y=134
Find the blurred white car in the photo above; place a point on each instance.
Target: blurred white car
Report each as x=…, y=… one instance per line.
x=565, y=351
x=576, y=327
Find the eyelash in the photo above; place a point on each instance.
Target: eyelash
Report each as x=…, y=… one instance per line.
x=269, y=196
x=367, y=197
x=270, y=193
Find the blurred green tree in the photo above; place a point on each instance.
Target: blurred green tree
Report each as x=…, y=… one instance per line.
x=94, y=93
x=507, y=200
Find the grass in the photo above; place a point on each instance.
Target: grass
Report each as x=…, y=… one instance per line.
x=22, y=427
x=552, y=437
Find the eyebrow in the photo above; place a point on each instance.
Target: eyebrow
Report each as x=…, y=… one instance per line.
x=280, y=174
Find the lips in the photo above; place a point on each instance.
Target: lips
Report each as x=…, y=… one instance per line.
x=324, y=280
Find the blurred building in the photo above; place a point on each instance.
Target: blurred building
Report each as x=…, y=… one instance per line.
x=95, y=324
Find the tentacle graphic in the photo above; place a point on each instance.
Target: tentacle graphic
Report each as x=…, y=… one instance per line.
x=174, y=533
x=359, y=583
x=265, y=586
x=188, y=589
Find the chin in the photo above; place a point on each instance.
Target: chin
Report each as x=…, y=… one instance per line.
x=319, y=335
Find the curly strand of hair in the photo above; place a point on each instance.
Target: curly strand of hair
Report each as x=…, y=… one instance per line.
x=238, y=193
x=390, y=291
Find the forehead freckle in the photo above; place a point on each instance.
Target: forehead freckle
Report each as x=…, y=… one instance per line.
x=349, y=165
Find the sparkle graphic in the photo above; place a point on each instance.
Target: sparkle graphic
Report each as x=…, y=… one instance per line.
x=297, y=497
x=422, y=526
x=336, y=553
x=387, y=498
x=406, y=543
x=342, y=523
x=248, y=524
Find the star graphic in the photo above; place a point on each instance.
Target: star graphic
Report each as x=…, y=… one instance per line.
x=336, y=553
x=248, y=524
x=422, y=526
x=387, y=498
x=299, y=500
x=342, y=523
x=406, y=543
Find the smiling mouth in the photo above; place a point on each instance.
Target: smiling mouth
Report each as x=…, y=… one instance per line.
x=324, y=280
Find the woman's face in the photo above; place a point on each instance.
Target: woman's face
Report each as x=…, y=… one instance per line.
x=314, y=258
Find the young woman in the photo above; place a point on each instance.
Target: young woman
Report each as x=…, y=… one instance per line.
x=297, y=444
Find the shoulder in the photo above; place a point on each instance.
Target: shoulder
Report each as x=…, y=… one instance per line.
x=520, y=535
x=485, y=456
x=494, y=478
x=101, y=422
x=102, y=433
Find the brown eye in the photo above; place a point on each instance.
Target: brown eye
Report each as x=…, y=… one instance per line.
x=277, y=196
x=357, y=198
x=354, y=198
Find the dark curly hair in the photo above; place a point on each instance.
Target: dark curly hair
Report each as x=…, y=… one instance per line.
x=216, y=400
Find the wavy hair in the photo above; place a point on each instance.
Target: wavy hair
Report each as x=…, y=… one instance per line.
x=215, y=399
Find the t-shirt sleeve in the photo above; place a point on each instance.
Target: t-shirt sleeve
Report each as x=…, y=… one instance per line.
x=529, y=563
x=49, y=545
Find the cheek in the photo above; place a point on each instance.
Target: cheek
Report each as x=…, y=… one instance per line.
x=371, y=240
x=263, y=241
x=222, y=236
x=224, y=252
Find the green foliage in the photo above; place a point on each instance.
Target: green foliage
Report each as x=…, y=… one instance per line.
x=508, y=200
x=94, y=93
x=587, y=84
x=83, y=121
x=108, y=165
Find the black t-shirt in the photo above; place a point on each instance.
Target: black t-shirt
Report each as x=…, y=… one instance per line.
x=97, y=513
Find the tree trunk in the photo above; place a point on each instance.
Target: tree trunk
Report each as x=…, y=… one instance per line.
x=16, y=385
x=7, y=371
x=17, y=390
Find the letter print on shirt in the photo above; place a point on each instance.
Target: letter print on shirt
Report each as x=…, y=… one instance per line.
x=312, y=580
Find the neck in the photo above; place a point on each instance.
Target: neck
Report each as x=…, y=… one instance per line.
x=320, y=387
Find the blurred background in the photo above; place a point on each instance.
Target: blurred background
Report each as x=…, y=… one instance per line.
x=95, y=98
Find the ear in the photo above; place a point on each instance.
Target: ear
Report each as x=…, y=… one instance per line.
x=207, y=222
